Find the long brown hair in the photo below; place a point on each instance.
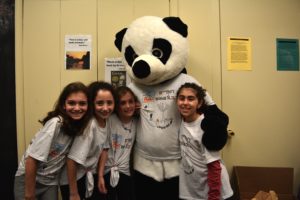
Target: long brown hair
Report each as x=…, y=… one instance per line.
x=69, y=126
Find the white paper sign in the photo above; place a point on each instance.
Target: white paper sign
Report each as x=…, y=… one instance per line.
x=78, y=52
x=115, y=72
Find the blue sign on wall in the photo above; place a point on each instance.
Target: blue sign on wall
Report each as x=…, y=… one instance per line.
x=287, y=54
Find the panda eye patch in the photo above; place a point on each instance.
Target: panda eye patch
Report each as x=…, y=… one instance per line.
x=130, y=55
x=157, y=52
x=161, y=49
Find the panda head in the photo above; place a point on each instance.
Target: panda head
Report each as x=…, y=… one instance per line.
x=155, y=49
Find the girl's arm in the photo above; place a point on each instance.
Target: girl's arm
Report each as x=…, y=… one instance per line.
x=30, y=176
x=71, y=171
x=214, y=180
x=101, y=165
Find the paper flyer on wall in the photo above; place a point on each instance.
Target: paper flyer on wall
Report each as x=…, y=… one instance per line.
x=287, y=54
x=115, y=72
x=239, y=54
x=78, y=52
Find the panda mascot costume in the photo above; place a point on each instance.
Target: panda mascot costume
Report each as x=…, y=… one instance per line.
x=155, y=52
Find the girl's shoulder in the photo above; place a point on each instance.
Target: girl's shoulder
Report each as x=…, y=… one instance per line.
x=112, y=121
x=195, y=123
x=55, y=119
x=113, y=117
x=53, y=122
x=51, y=127
x=92, y=124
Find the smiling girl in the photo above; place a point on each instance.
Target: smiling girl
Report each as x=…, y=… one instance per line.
x=118, y=183
x=90, y=148
x=38, y=173
x=202, y=172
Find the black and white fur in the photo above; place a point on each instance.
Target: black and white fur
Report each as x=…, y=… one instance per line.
x=156, y=50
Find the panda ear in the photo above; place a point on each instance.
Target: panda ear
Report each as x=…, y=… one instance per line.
x=119, y=38
x=175, y=24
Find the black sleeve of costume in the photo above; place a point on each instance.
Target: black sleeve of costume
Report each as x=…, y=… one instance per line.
x=214, y=125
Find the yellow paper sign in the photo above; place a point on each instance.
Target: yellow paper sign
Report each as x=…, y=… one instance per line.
x=239, y=53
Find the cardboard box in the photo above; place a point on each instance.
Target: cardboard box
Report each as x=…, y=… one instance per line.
x=248, y=181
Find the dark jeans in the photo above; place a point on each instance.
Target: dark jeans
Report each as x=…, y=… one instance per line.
x=148, y=188
x=42, y=192
x=124, y=189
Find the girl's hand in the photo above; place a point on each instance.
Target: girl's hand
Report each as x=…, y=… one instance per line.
x=101, y=185
x=29, y=197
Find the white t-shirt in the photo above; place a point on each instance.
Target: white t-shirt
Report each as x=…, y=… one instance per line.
x=159, y=122
x=87, y=148
x=157, y=145
x=193, y=168
x=50, y=147
x=121, y=139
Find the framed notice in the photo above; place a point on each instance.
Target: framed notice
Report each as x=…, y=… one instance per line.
x=287, y=54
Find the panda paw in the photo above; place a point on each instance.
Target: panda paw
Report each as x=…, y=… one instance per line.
x=214, y=125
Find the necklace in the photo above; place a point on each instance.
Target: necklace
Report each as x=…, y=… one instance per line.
x=127, y=126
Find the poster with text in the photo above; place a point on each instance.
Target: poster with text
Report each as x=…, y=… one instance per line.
x=239, y=53
x=115, y=72
x=78, y=52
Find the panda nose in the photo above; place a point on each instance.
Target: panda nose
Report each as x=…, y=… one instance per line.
x=141, y=69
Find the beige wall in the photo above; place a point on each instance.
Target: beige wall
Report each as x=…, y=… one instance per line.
x=41, y=28
x=263, y=104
